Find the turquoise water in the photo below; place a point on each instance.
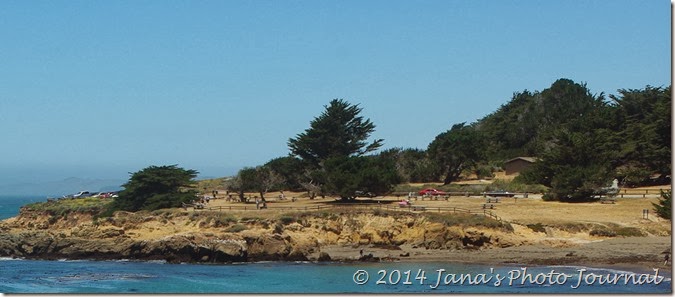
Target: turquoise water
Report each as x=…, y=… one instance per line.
x=28, y=276
x=34, y=276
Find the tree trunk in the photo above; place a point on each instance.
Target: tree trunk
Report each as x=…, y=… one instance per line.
x=262, y=196
x=452, y=175
x=241, y=196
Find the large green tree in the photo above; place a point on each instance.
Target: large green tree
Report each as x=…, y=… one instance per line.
x=333, y=151
x=456, y=150
x=575, y=167
x=291, y=171
x=527, y=124
x=663, y=209
x=338, y=132
x=412, y=165
x=156, y=187
x=578, y=146
x=245, y=181
x=346, y=175
x=643, y=125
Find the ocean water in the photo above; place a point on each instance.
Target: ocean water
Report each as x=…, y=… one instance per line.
x=36, y=276
x=9, y=205
x=28, y=276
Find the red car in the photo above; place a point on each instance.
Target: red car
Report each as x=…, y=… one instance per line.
x=431, y=192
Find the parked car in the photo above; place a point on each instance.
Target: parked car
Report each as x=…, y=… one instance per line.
x=82, y=194
x=364, y=194
x=103, y=195
x=500, y=193
x=431, y=192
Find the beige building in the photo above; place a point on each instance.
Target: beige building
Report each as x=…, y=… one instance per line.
x=518, y=164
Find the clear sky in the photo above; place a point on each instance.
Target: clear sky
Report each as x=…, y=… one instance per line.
x=98, y=89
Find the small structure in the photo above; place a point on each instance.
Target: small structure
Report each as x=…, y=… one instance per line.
x=518, y=164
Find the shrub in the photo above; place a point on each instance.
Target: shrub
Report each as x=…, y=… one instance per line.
x=61, y=208
x=630, y=232
x=538, y=227
x=236, y=228
x=484, y=171
x=224, y=220
x=287, y=220
x=515, y=186
x=468, y=220
x=663, y=208
x=602, y=232
x=278, y=228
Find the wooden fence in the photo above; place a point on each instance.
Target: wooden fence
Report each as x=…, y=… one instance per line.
x=407, y=208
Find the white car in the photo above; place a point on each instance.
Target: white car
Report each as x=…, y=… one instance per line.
x=81, y=194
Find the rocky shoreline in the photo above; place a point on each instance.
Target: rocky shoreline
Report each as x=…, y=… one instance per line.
x=182, y=237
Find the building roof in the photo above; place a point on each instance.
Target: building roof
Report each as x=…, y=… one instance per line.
x=528, y=159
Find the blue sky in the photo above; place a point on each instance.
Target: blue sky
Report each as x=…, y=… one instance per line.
x=101, y=88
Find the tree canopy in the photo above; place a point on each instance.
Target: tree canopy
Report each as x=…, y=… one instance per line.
x=663, y=209
x=581, y=140
x=456, y=150
x=347, y=175
x=156, y=187
x=333, y=152
x=338, y=132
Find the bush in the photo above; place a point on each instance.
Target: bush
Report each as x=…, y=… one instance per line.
x=634, y=176
x=515, y=186
x=224, y=220
x=630, y=232
x=287, y=220
x=484, y=171
x=468, y=220
x=62, y=207
x=538, y=227
x=602, y=232
x=236, y=228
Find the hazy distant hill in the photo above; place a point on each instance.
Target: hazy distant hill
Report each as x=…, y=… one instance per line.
x=63, y=187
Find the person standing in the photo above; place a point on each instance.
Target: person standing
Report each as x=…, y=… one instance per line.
x=667, y=257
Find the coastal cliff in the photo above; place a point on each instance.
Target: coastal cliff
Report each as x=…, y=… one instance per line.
x=214, y=237
x=177, y=236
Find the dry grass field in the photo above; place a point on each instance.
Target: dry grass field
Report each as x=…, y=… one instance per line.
x=531, y=210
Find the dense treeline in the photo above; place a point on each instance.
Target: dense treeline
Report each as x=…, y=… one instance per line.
x=582, y=141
